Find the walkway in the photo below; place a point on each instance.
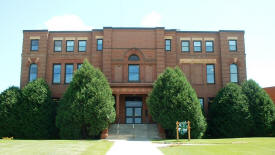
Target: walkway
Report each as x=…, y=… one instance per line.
x=125, y=147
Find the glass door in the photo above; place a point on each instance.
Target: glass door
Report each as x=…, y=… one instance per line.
x=133, y=112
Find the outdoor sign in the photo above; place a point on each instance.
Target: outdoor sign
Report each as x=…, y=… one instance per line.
x=182, y=127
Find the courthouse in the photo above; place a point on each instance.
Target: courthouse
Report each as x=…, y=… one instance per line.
x=131, y=58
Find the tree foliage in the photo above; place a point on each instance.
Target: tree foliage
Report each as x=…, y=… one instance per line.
x=228, y=114
x=37, y=111
x=173, y=99
x=87, y=107
x=261, y=108
x=10, y=100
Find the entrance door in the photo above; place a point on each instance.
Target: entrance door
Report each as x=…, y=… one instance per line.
x=133, y=111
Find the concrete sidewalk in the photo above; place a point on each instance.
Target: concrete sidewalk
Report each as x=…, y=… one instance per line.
x=124, y=147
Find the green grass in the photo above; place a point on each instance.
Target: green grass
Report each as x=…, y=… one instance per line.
x=232, y=146
x=54, y=147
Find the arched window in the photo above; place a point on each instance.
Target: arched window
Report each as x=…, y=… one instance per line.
x=133, y=57
x=33, y=72
x=234, y=73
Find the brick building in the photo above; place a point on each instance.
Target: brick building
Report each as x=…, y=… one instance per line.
x=271, y=92
x=132, y=58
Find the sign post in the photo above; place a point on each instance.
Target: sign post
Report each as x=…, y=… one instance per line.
x=182, y=128
x=177, y=128
x=189, y=137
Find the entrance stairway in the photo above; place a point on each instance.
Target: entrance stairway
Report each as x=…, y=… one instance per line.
x=133, y=131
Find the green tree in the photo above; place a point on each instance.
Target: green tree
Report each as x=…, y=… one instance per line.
x=261, y=107
x=37, y=111
x=173, y=99
x=10, y=100
x=273, y=128
x=87, y=107
x=228, y=113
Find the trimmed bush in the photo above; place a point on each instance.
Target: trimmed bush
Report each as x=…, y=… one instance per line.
x=10, y=99
x=228, y=114
x=261, y=107
x=87, y=107
x=173, y=99
x=37, y=111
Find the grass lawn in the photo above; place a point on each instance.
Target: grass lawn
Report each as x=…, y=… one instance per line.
x=231, y=146
x=52, y=147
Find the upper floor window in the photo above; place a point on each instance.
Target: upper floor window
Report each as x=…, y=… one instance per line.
x=197, y=46
x=69, y=70
x=56, y=73
x=210, y=71
x=201, y=102
x=79, y=66
x=185, y=47
x=70, y=45
x=99, y=45
x=58, y=45
x=133, y=57
x=234, y=73
x=82, y=44
x=33, y=72
x=133, y=73
x=209, y=46
x=34, y=45
x=167, y=44
x=232, y=45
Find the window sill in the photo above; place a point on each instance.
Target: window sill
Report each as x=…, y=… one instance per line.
x=210, y=83
x=56, y=83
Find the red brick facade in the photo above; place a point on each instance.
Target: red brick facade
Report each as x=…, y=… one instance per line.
x=271, y=92
x=149, y=45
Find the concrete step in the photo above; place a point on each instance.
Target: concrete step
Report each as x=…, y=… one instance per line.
x=133, y=131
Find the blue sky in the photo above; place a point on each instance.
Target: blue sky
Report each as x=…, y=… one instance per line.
x=257, y=18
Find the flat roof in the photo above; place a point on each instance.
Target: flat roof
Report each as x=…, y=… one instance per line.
x=131, y=28
x=45, y=30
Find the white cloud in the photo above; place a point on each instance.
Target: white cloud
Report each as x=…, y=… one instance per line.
x=151, y=20
x=66, y=22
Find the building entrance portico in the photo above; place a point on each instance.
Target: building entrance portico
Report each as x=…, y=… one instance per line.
x=131, y=107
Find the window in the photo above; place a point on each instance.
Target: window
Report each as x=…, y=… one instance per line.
x=34, y=45
x=133, y=57
x=234, y=73
x=82, y=44
x=197, y=46
x=99, y=44
x=58, y=45
x=201, y=102
x=79, y=65
x=232, y=45
x=56, y=73
x=70, y=45
x=209, y=46
x=33, y=72
x=69, y=69
x=185, y=46
x=210, y=71
x=167, y=44
x=133, y=73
